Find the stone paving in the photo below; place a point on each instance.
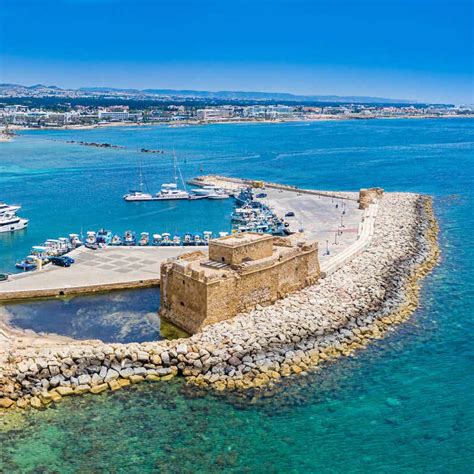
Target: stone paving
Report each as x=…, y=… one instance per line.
x=333, y=222
x=112, y=267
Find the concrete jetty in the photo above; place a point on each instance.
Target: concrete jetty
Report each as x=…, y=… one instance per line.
x=110, y=268
x=332, y=219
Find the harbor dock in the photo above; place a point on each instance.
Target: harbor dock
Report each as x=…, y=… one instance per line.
x=332, y=219
x=110, y=268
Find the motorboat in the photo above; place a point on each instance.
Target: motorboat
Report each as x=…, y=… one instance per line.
x=53, y=247
x=4, y=208
x=40, y=252
x=144, y=239
x=10, y=222
x=198, y=240
x=104, y=237
x=91, y=237
x=166, y=239
x=129, y=238
x=193, y=197
x=138, y=196
x=176, y=240
x=170, y=191
x=223, y=234
x=64, y=246
x=188, y=239
x=210, y=191
x=28, y=264
x=207, y=236
x=75, y=240
x=219, y=195
x=156, y=239
x=116, y=240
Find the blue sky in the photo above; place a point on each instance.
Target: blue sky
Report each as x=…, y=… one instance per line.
x=414, y=49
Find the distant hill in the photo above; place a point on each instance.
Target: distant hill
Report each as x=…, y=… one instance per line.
x=251, y=95
x=40, y=90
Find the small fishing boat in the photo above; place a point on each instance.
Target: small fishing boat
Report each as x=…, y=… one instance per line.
x=188, y=239
x=91, y=237
x=64, y=245
x=197, y=239
x=53, y=247
x=176, y=240
x=144, y=239
x=40, y=251
x=75, y=240
x=166, y=239
x=116, y=240
x=129, y=238
x=207, y=236
x=104, y=237
x=28, y=264
x=157, y=239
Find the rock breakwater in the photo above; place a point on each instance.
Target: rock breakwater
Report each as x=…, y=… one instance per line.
x=336, y=317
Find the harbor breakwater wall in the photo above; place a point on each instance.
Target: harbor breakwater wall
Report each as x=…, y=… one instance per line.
x=340, y=314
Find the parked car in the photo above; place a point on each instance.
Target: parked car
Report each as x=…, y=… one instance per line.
x=68, y=259
x=3, y=276
x=60, y=261
x=290, y=214
x=261, y=195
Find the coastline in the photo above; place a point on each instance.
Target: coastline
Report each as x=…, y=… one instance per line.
x=189, y=123
x=252, y=350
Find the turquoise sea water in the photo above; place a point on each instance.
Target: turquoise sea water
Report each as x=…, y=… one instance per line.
x=403, y=405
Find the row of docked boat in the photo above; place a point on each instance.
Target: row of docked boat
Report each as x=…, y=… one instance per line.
x=171, y=191
x=9, y=221
x=254, y=216
x=105, y=238
x=49, y=250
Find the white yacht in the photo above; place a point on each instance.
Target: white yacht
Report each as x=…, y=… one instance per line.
x=4, y=208
x=211, y=191
x=9, y=222
x=170, y=191
x=218, y=195
x=138, y=196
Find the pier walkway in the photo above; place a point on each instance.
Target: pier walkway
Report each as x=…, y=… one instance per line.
x=333, y=219
x=105, y=269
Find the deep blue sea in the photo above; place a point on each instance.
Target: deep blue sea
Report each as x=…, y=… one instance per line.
x=404, y=405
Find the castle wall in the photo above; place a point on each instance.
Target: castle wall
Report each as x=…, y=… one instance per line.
x=229, y=250
x=192, y=300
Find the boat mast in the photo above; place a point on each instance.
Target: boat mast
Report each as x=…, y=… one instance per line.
x=178, y=169
x=141, y=179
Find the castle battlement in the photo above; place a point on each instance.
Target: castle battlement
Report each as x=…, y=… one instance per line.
x=239, y=272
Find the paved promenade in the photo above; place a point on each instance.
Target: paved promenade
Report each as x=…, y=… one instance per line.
x=332, y=222
x=94, y=270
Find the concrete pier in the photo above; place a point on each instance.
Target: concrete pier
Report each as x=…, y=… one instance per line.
x=111, y=268
x=333, y=219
